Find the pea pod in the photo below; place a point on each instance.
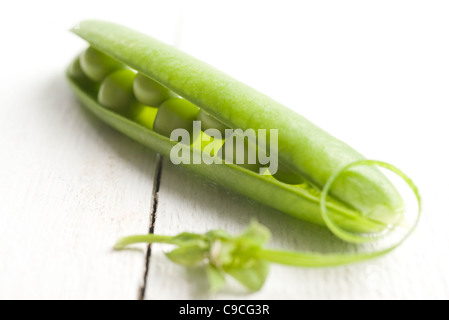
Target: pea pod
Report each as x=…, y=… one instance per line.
x=363, y=200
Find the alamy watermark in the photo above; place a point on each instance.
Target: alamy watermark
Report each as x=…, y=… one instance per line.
x=235, y=147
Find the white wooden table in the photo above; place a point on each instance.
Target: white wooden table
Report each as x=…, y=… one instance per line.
x=373, y=74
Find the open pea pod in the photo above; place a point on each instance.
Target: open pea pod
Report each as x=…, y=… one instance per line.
x=362, y=200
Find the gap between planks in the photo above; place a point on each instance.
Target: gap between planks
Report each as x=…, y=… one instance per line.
x=158, y=172
x=153, y=215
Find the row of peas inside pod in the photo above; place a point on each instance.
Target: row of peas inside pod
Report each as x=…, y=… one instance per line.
x=157, y=108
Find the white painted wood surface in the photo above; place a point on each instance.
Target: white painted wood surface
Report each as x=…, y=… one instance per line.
x=374, y=75
x=70, y=185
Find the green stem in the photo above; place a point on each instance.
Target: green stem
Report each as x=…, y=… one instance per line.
x=312, y=260
x=147, y=238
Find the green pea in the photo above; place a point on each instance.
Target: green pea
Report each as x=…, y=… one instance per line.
x=97, y=65
x=288, y=176
x=173, y=114
x=283, y=174
x=362, y=199
x=116, y=91
x=149, y=92
x=204, y=141
x=76, y=72
x=210, y=122
x=243, y=160
x=143, y=115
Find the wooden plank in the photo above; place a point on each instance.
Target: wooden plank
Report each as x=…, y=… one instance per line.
x=70, y=185
x=189, y=202
x=337, y=65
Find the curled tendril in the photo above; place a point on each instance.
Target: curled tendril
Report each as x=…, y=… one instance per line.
x=356, y=238
x=244, y=258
